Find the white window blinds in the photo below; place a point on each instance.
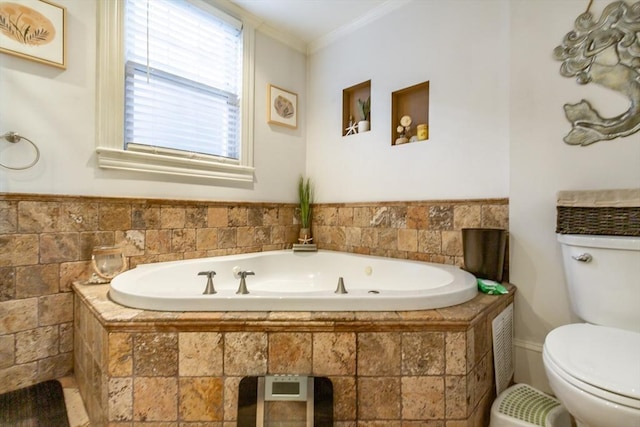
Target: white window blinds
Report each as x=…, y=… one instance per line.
x=183, y=79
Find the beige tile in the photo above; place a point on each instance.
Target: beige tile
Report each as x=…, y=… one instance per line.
x=36, y=344
x=145, y=217
x=38, y=216
x=440, y=217
x=155, y=354
x=289, y=352
x=132, y=242
x=334, y=353
x=456, y=353
x=495, y=216
x=172, y=217
x=156, y=399
x=379, y=398
x=120, y=399
x=452, y=243
x=379, y=354
x=36, y=280
x=457, y=397
x=217, y=217
x=200, y=353
x=423, y=398
x=24, y=249
x=7, y=350
x=429, y=241
x=423, y=353
x=196, y=217
x=114, y=216
x=183, y=240
x=201, y=399
x=206, y=238
x=237, y=216
x=8, y=217
x=344, y=398
x=245, y=353
x=467, y=216
x=55, y=309
x=120, y=357
x=231, y=387
x=408, y=240
x=158, y=241
x=59, y=247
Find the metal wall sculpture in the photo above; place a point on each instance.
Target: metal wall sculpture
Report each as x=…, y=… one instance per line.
x=605, y=52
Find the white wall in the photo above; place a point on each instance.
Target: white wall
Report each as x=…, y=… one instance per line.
x=541, y=164
x=56, y=109
x=461, y=47
x=496, y=128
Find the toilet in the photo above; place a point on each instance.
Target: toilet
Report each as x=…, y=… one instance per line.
x=593, y=368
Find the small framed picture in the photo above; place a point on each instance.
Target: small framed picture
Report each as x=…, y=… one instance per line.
x=282, y=108
x=34, y=29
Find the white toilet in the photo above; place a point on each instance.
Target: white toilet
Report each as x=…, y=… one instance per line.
x=594, y=368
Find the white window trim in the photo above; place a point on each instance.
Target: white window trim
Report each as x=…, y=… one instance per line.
x=110, y=111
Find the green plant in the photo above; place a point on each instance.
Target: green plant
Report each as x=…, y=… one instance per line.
x=365, y=108
x=305, y=194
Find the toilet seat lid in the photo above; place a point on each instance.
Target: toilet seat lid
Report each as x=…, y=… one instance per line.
x=603, y=357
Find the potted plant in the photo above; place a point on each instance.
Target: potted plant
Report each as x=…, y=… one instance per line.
x=305, y=195
x=365, y=111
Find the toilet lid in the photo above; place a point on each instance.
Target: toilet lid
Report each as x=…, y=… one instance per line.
x=603, y=357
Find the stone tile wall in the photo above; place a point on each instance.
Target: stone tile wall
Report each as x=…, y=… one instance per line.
x=46, y=243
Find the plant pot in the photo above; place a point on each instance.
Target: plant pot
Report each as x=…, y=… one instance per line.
x=363, y=126
x=305, y=235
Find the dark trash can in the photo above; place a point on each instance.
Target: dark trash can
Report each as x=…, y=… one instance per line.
x=484, y=250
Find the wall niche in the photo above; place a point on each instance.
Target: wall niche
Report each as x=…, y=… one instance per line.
x=350, y=111
x=410, y=114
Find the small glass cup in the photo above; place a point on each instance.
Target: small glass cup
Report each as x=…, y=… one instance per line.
x=108, y=262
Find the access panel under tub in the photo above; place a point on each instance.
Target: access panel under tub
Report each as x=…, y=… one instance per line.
x=285, y=401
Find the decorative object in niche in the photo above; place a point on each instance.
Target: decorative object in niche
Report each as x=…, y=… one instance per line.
x=605, y=52
x=364, y=107
x=423, y=132
x=352, y=129
x=409, y=105
x=34, y=30
x=403, y=129
x=354, y=106
x=282, y=108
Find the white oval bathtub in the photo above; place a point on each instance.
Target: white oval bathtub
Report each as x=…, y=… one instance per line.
x=294, y=281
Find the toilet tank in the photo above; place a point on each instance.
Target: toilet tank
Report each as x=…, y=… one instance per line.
x=603, y=278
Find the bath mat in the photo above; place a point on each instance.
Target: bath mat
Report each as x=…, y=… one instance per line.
x=40, y=405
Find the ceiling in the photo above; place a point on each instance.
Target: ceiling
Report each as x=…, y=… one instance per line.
x=309, y=20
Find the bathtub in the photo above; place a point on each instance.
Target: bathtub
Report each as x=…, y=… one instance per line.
x=294, y=281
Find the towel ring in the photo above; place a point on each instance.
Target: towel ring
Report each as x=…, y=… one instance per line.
x=14, y=138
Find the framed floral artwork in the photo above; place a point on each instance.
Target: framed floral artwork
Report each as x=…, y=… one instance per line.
x=34, y=29
x=282, y=108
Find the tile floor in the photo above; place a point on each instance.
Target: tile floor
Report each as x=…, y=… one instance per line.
x=75, y=407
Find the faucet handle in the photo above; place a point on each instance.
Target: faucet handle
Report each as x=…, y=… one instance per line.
x=243, y=274
x=210, y=273
x=242, y=288
x=209, y=289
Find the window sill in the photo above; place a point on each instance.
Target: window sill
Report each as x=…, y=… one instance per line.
x=110, y=158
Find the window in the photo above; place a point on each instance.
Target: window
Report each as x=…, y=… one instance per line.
x=170, y=89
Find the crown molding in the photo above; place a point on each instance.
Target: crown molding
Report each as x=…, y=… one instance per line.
x=339, y=33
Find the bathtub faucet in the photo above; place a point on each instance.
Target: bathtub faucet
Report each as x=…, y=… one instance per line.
x=209, y=289
x=242, y=289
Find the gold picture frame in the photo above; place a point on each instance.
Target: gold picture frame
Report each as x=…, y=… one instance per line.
x=35, y=30
x=282, y=107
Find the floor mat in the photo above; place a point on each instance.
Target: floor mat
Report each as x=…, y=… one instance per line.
x=37, y=406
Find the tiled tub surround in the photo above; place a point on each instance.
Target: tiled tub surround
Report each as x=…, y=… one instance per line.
x=429, y=368
x=46, y=243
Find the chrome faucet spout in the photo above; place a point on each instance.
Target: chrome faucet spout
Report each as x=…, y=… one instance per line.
x=209, y=290
x=341, y=289
x=242, y=288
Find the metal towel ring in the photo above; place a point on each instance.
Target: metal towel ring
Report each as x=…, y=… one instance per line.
x=14, y=137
